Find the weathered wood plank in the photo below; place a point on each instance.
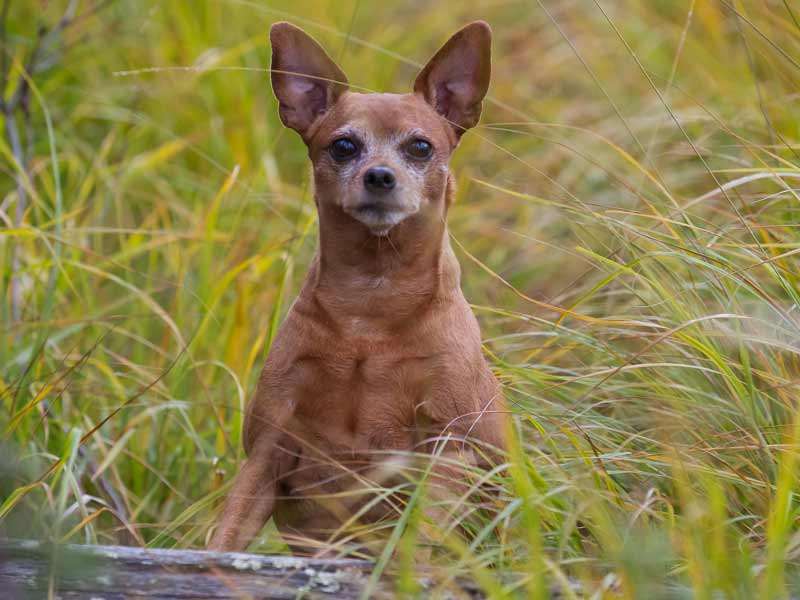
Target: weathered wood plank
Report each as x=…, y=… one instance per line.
x=28, y=569
x=112, y=572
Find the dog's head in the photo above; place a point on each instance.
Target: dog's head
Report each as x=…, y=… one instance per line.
x=381, y=158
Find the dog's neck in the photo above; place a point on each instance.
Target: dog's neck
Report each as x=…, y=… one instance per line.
x=358, y=275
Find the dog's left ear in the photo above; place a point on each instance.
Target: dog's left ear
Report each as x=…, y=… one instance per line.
x=455, y=80
x=304, y=78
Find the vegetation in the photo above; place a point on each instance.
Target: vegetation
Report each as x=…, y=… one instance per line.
x=627, y=222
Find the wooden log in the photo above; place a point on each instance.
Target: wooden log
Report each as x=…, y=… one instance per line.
x=29, y=569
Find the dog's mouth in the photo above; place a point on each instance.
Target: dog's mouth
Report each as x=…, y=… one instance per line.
x=379, y=217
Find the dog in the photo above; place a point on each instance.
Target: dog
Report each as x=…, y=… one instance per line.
x=380, y=355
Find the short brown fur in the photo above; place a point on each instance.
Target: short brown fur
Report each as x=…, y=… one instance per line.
x=380, y=354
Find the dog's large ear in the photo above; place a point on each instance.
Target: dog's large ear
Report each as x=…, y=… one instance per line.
x=304, y=78
x=455, y=80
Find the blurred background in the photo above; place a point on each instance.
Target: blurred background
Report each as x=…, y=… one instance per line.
x=626, y=219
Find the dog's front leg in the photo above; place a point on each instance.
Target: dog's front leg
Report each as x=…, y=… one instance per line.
x=448, y=486
x=251, y=499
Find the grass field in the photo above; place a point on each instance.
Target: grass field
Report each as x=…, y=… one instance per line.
x=627, y=220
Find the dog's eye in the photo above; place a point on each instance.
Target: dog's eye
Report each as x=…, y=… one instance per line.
x=419, y=148
x=343, y=149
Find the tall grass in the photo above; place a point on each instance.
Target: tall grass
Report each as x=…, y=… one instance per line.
x=627, y=220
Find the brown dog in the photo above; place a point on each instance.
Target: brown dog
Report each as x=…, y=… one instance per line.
x=380, y=354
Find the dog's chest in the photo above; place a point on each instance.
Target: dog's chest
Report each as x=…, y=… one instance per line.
x=361, y=402
x=353, y=415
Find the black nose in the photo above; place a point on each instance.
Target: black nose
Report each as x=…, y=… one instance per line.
x=379, y=180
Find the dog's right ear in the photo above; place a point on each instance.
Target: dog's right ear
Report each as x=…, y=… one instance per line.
x=456, y=79
x=304, y=78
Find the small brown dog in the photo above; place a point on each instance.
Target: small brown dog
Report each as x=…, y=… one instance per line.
x=380, y=354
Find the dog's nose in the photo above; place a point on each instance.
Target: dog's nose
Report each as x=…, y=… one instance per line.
x=379, y=180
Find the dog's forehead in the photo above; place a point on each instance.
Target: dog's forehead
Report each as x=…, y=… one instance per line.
x=386, y=115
